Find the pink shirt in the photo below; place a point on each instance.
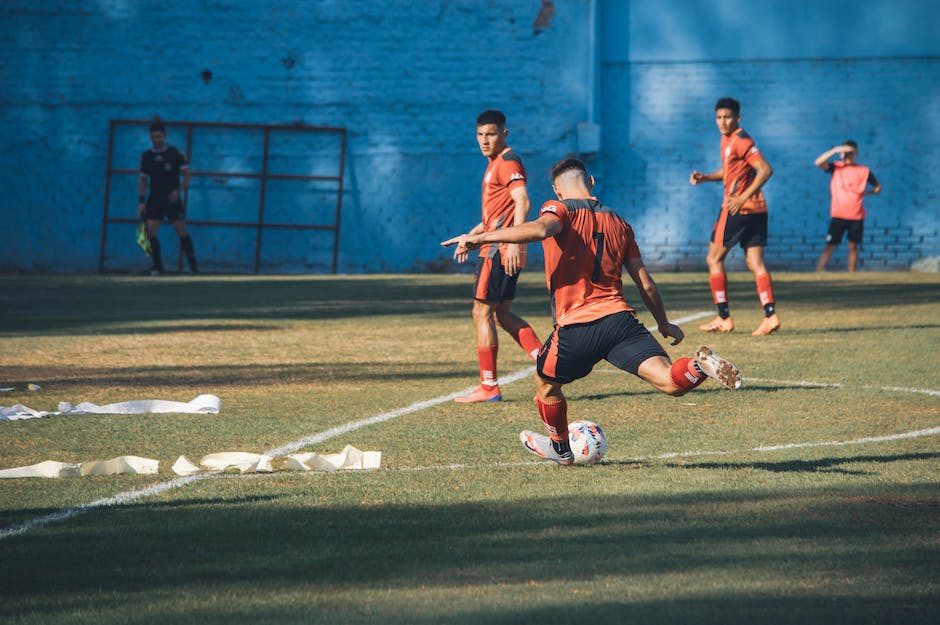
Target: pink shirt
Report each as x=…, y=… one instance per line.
x=847, y=188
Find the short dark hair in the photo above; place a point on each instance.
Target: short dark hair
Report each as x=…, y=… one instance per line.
x=568, y=164
x=492, y=117
x=157, y=127
x=729, y=103
x=852, y=143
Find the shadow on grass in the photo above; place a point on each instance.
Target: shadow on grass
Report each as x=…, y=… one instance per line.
x=727, y=558
x=92, y=304
x=820, y=465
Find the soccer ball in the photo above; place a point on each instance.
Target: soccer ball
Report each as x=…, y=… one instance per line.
x=588, y=442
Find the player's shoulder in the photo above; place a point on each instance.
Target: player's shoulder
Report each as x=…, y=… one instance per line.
x=554, y=207
x=510, y=156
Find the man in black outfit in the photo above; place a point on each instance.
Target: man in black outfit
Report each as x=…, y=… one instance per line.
x=162, y=165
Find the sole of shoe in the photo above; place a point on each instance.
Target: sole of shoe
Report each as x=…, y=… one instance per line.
x=718, y=368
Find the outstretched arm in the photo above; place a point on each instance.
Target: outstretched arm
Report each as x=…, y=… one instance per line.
x=649, y=293
x=822, y=161
x=715, y=176
x=529, y=232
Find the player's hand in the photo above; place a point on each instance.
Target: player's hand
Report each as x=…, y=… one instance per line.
x=734, y=204
x=512, y=259
x=696, y=178
x=671, y=330
x=463, y=247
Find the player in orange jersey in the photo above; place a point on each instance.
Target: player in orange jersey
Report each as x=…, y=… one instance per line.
x=586, y=247
x=505, y=202
x=848, y=186
x=742, y=220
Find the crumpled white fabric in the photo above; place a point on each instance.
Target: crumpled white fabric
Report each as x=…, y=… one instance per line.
x=51, y=468
x=348, y=459
x=206, y=404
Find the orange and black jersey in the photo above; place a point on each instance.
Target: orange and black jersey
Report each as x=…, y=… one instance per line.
x=503, y=174
x=739, y=154
x=584, y=262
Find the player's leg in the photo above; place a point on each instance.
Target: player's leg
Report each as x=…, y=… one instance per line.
x=153, y=225
x=679, y=377
x=553, y=410
x=765, y=290
x=186, y=242
x=718, y=283
x=856, y=231
x=833, y=239
x=484, y=322
x=825, y=257
x=518, y=328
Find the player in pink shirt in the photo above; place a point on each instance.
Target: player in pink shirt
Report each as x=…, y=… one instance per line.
x=847, y=186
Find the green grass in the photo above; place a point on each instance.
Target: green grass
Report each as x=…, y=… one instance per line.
x=459, y=526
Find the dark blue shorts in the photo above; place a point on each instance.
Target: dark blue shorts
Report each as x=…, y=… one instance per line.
x=838, y=227
x=745, y=230
x=571, y=352
x=491, y=284
x=165, y=210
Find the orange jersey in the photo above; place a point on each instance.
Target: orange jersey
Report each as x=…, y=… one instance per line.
x=503, y=174
x=738, y=155
x=584, y=262
x=847, y=188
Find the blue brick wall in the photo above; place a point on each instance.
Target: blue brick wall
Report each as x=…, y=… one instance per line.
x=408, y=78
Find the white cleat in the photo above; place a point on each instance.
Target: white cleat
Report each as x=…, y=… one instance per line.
x=718, y=368
x=542, y=446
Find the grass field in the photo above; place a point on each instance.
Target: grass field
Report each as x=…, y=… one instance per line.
x=792, y=500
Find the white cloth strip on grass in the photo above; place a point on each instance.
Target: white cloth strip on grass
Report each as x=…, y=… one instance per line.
x=350, y=458
x=203, y=404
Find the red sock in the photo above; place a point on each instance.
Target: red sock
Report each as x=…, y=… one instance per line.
x=719, y=285
x=555, y=418
x=685, y=375
x=765, y=289
x=487, y=358
x=528, y=341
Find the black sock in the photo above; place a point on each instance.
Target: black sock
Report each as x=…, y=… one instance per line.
x=769, y=309
x=723, y=311
x=561, y=447
x=190, y=251
x=155, y=253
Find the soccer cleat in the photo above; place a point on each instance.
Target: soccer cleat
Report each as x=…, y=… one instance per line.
x=768, y=325
x=542, y=446
x=718, y=368
x=480, y=394
x=718, y=325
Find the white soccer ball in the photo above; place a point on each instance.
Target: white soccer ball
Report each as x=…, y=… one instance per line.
x=588, y=442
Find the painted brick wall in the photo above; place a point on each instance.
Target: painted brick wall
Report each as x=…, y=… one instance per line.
x=795, y=110
x=407, y=78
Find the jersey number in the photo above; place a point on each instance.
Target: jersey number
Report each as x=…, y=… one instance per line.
x=598, y=256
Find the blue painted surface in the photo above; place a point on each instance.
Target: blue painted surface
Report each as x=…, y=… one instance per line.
x=408, y=78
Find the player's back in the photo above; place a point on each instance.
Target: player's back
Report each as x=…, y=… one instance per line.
x=583, y=263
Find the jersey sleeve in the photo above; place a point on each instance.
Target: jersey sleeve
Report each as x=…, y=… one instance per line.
x=556, y=209
x=749, y=151
x=511, y=173
x=631, y=249
x=183, y=160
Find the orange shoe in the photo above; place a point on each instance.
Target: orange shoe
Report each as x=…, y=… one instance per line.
x=768, y=325
x=718, y=325
x=479, y=394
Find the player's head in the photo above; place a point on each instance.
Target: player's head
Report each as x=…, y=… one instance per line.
x=570, y=179
x=158, y=134
x=491, y=133
x=849, y=156
x=727, y=115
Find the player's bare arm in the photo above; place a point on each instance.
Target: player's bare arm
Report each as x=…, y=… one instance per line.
x=875, y=185
x=529, y=232
x=698, y=177
x=653, y=301
x=141, y=194
x=764, y=172
x=513, y=259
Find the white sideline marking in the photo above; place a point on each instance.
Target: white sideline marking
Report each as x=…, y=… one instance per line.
x=133, y=495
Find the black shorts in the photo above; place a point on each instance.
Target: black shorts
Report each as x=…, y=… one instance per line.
x=165, y=210
x=838, y=227
x=490, y=282
x=745, y=230
x=571, y=352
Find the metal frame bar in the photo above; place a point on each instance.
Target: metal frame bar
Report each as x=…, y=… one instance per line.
x=263, y=176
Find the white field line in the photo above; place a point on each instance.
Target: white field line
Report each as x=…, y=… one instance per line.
x=156, y=489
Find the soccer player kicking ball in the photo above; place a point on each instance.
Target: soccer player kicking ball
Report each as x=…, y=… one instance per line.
x=586, y=246
x=742, y=220
x=505, y=202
